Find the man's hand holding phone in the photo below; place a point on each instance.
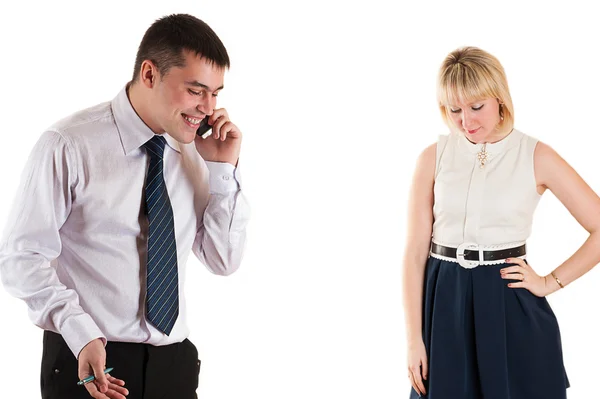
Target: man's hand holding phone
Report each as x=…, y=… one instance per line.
x=224, y=142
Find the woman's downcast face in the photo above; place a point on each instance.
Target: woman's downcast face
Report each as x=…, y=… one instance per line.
x=477, y=120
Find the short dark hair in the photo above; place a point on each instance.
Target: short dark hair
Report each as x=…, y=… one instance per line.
x=167, y=38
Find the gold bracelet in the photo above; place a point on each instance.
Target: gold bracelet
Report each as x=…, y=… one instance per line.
x=557, y=280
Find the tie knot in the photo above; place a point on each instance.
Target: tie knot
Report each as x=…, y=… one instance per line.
x=156, y=146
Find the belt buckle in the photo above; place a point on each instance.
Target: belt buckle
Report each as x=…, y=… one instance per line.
x=460, y=255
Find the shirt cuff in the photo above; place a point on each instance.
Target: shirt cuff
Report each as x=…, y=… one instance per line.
x=80, y=330
x=224, y=178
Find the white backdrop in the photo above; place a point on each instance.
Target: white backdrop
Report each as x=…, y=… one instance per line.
x=336, y=100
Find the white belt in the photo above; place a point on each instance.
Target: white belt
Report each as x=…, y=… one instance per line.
x=470, y=264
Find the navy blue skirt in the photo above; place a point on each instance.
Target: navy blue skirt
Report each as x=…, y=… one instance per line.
x=485, y=340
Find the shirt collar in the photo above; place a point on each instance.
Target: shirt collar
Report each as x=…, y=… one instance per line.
x=132, y=129
x=506, y=143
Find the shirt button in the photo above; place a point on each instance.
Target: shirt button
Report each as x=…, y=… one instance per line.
x=225, y=177
x=56, y=371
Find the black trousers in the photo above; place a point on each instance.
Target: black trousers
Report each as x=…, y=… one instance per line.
x=149, y=372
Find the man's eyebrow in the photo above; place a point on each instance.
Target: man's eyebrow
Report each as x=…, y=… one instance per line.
x=198, y=84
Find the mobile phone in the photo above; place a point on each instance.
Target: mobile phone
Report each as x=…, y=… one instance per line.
x=204, y=129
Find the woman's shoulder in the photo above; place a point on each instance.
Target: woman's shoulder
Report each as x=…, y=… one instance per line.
x=544, y=156
x=524, y=137
x=427, y=155
x=431, y=154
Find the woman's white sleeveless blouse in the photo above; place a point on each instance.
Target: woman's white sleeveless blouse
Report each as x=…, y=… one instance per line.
x=490, y=206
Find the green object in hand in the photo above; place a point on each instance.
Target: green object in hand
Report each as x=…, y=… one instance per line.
x=92, y=378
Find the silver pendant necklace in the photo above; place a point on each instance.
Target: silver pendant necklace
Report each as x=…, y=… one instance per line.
x=482, y=156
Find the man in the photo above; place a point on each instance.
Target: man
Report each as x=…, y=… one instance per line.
x=112, y=200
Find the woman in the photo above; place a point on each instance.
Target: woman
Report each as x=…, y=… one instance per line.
x=478, y=323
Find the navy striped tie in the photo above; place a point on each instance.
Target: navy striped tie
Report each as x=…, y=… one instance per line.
x=162, y=285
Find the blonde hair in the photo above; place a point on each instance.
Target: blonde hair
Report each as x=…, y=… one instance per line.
x=469, y=74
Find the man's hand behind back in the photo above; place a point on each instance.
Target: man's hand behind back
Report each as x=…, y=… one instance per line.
x=92, y=361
